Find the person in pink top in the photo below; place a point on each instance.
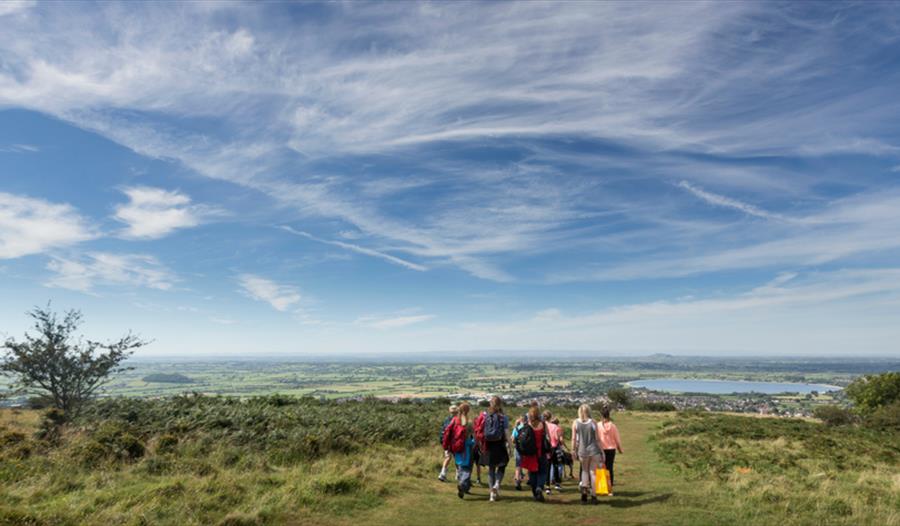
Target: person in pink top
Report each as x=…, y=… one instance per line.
x=555, y=433
x=610, y=442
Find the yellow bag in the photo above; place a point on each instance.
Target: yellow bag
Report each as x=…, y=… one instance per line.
x=603, y=485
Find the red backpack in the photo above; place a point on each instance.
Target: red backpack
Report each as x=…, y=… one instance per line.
x=479, y=428
x=454, y=437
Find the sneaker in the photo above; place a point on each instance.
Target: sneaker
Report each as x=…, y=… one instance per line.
x=547, y=491
x=584, y=498
x=518, y=485
x=497, y=489
x=593, y=499
x=460, y=492
x=558, y=487
x=442, y=477
x=493, y=496
x=539, y=497
x=610, y=494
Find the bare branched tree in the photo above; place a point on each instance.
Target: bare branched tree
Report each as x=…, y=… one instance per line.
x=55, y=363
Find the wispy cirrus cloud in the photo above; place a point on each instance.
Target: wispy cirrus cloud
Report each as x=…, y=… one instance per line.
x=280, y=297
x=521, y=81
x=102, y=269
x=394, y=322
x=358, y=249
x=728, y=202
x=33, y=226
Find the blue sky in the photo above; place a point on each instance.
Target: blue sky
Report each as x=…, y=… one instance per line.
x=701, y=178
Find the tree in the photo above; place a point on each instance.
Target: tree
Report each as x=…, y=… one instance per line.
x=56, y=364
x=872, y=391
x=620, y=396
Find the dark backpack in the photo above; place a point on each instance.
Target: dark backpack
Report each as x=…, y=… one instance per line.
x=525, y=441
x=493, y=427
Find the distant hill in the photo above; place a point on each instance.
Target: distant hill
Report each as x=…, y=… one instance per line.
x=165, y=378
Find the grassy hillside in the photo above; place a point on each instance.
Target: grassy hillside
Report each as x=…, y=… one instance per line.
x=278, y=460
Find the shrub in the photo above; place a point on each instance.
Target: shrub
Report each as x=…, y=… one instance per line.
x=886, y=418
x=833, y=415
x=872, y=391
x=654, y=406
x=620, y=396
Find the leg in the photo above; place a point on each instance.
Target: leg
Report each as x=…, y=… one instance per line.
x=610, y=460
x=464, y=478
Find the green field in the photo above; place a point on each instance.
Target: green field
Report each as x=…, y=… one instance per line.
x=289, y=461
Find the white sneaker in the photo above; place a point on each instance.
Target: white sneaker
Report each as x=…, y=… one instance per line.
x=442, y=477
x=497, y=489
x=493, y=496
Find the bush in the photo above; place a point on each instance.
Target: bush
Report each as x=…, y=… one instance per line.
x=833, y=415
x=872, y=391
x=654, y=406
x=620, y=396
x=885, y=418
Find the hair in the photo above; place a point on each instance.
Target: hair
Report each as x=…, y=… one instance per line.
x=534, y=403
x=547, y=416
x=584, y=412
x=454, y=409
x=496, y=405
x=605, y=412
x=464, y=413
x=555, y=420
x=534, y=415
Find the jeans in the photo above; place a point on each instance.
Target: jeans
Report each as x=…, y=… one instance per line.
x=610, y=459
x=464, y=477
x=495, y=475
x=589, y=467
x=537, y=479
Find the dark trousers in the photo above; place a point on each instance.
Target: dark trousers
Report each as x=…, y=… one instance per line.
x=537, y=479
x=610, y=455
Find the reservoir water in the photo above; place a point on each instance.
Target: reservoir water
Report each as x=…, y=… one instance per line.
x=676, y=385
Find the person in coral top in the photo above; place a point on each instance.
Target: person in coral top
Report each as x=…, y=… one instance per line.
x=610, y=441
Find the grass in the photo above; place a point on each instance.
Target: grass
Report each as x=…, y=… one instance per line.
x=676, y=470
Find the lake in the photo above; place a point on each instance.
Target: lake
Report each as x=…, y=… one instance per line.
x=677, y=385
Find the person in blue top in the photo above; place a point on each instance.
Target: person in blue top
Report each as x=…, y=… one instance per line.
x=465, y=458
x=515, y=433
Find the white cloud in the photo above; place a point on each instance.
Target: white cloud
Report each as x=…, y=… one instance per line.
x=152, y=213
x=280, y=297
x=105, y=269
x=32, y=226
x=358, y=249
x=19, y=148
x=11, y=7
x=727, y=202
x=655, y=81
x=393, y=322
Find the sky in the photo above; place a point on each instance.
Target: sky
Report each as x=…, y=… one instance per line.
x=287, y=179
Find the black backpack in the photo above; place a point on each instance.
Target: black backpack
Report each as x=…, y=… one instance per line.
x=493, y=427
x=525, y=441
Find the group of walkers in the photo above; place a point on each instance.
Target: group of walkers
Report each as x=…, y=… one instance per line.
x=538, y=444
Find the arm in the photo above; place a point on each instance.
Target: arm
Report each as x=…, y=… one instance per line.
x=574, y=436
x=616, y=436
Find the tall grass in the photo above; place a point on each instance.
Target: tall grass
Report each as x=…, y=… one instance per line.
x=789, y=471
